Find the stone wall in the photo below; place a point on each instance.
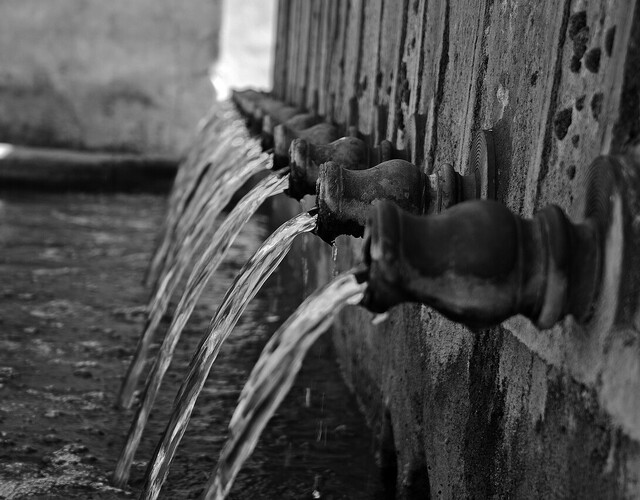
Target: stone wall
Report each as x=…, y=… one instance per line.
x=125, y=75
x=509, y=411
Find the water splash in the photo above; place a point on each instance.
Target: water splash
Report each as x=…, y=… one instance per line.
x=192, y=243
x=244, y=288
x=275, y=372
x=201, y=274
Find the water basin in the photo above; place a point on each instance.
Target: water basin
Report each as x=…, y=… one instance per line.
x=71, y=310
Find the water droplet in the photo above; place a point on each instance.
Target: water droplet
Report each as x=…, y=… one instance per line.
x=334, y=258
x=305, y=273
x=380, y=318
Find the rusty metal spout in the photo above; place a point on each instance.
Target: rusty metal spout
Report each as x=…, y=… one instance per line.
x=346, y=196
x=248, y=102
x=479, y=264
x=285, y=133
x=273, y=113
x=320, y=134
x=306, y=157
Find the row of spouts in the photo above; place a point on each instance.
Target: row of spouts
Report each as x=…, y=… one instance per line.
x=476, y=262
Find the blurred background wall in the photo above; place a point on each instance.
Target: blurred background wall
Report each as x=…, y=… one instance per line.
x=125, y=75
x=246, y=46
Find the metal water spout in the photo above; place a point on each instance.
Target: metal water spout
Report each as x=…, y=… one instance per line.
x=286, y=132
x=479, y=264
x=271, y=113
x=345, y=197
x=248, y=102
x=306, y=155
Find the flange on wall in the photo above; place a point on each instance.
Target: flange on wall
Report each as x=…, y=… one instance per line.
x=448, y=187
x=610, y=201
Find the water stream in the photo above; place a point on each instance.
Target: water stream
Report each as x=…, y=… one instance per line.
x=244, y=288
x=200, y=276
x=220, y=144
x=214, y=138
x=191, y=244
x=274, y=374
x=225, y=165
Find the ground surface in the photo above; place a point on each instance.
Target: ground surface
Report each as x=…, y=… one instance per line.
x=70, y=312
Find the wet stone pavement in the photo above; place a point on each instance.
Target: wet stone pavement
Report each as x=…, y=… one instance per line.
x=71, y=308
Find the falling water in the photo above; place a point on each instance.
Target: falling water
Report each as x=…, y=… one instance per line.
x=244, y=288
x=191, y=243
x=203, y=146
x=232, y=151
x=202, y=178
x=208, y=194
x=214, y=136
x=201, y=274
x=274, y=373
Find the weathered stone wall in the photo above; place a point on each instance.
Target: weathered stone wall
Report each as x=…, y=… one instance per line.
x=510, y=411
x=126, y=75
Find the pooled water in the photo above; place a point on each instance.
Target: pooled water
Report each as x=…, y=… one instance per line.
x=96, y=285
x=244, y=288
x=274, y=373
x=200, y=276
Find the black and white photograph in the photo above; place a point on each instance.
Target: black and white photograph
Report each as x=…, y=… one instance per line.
x=319, y=249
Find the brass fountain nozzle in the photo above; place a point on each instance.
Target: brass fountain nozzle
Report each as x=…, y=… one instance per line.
x=479, y=264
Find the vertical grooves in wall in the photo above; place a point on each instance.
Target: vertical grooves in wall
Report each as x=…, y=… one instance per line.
x=418, y=119
x=313, y=56
x=442, y=73
x=417, y=93
x=392, y=129
x=303, y=57
x=376, y=91
x=294, y=25
x=378, y=133
x=333, y=30
x=553, y=104
x=624, y=132
x=337, y=89
x=352, y=100
x=280, y=66
x=464, y=145
x=369, y=64
x=320, y=58
x=482, y=70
